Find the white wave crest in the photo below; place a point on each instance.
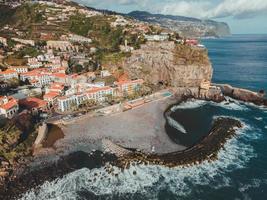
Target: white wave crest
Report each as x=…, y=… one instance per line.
x=173, y=123
x=229, y=104
x=190, y=104
x=149, y=179
x=258, y=118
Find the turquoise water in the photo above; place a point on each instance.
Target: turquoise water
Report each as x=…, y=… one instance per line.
x=241, y=169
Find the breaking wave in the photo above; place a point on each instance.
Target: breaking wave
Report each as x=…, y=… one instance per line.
x=229, y=104
x=149, y=180
x=190, y=104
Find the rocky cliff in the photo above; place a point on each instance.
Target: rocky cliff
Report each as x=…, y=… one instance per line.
x=169, y=64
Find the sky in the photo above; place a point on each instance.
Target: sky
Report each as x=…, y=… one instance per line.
x=243, y=16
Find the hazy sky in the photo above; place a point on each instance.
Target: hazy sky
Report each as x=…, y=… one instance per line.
x=243, y=16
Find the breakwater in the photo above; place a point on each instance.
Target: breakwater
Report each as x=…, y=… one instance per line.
x=207, y=149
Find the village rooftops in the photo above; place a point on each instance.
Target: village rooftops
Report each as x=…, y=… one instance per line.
x=8, y=71
x=57, y=86
x=51, y=95
x=7, y=103
x=32, y=102
x=60, y=75
x=98, y=89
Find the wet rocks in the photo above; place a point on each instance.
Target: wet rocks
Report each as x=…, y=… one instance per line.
x=243, y=94
x=222, y=130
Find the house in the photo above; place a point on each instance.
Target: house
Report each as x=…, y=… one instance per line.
x=129, y=86
x=8, y=74
x=34, y=63
x=34, y=105
x=51, y=97
x=56, y=87
x=105, y=73
x=60, y=78
x=8, y=106
x=20, y=69
x=191, y=42
x=37, y=77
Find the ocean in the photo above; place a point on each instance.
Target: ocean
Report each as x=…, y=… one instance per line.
x=241, y=169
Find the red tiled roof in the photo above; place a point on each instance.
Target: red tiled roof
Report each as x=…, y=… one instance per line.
x=56, y=86
x=32, y=102
x=12, y=102
x=59, y=75
x=51, y=95
x=8, y=71
x=96, y=89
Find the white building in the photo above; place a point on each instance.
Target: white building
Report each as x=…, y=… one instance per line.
x=67, y=102
x=60, y=45
x=34, y=63
x=105, y=73
x=37, y=78
x=161, y=37
x=20, y=69
x=22, y=41
x=8, y=74
x=98, y=94
x=78, y=38
x=8, y=106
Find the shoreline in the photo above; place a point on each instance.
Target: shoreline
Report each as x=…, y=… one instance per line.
x=35, y=172
x=207, y=149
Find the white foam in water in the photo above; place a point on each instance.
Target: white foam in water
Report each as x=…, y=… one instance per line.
x=190, y=104
x=229, y=104
x=150, y=179
x=176, y=125
x=259, y=118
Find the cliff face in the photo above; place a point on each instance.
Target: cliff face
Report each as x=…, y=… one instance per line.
x=169, y=64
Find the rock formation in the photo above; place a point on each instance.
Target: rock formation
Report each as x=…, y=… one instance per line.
x=169, y=64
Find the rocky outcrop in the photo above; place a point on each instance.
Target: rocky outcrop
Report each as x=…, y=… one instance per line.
x=243, y=94
x=169, y=64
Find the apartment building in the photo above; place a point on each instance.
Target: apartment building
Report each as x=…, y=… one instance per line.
x=8, y=74
x=20, y=69
x=129, y=86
